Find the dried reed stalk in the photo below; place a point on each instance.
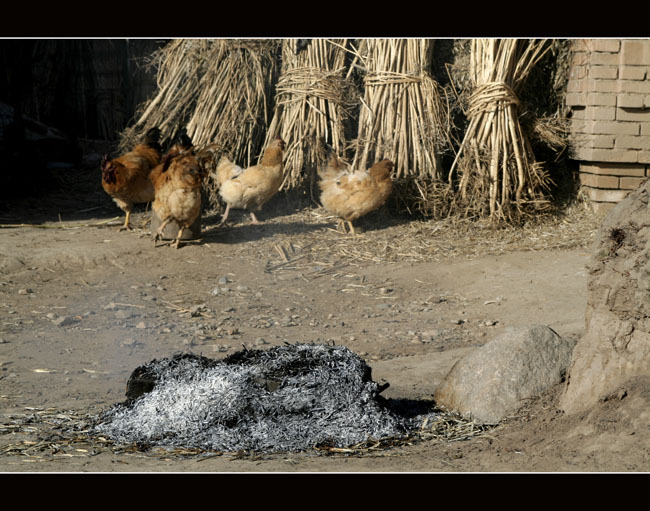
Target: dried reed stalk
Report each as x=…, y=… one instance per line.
x=499, y=177
x=181, y=64
x=404, y=116
x=219, y=91
x=312, y=104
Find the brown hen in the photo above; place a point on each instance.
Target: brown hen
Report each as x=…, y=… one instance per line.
x=126, y=178
x=351, y=194
x=177, y=181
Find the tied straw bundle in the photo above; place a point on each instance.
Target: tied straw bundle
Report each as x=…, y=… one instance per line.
x=313, y=102
x=403, y=116
x=219, y=90
x=498, y=173
x=180, y=65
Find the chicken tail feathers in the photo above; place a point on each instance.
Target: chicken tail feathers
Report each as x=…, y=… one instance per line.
x=152, y=139
x=333, y=166
x=227, y=170
x=182, y=139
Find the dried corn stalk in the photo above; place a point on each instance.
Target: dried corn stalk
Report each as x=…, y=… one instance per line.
x=498, y=173
x=403, y=116
x=312, y=104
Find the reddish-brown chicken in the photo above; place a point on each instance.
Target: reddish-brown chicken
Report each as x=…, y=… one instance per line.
x=177, y=182
x=126, y=178
x=350, y=194
x=252, y=187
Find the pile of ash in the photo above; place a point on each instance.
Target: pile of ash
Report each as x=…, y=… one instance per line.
x=287, y=398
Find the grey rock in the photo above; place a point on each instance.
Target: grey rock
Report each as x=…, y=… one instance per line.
x=196, y=310
x=493, y=381
x=64, y=321
x=123, y=314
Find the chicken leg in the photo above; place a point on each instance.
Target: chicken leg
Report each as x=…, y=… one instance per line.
x=160, y=230
x=127, y=224
x=341, y=226
x=225, y=216
x=177, y=241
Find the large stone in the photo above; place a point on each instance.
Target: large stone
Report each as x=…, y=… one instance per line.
x=616, y=344
x=493, y=381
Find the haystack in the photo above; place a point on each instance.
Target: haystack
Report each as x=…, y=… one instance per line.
x=218, y=90
x=495, y=168
x=403, y=116
x=313, y=104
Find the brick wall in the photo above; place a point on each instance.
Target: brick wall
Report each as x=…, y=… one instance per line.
x=609, y=96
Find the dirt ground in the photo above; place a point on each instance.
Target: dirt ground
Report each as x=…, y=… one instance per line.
x=83, y=304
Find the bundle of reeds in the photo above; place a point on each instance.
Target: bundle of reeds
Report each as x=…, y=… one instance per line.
x=498, y=175
x=216, y=88
x=219, y=90
x=313, y=102
x=180, y=64
x=404, y=114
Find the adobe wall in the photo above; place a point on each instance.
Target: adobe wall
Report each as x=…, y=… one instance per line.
x=608, y=93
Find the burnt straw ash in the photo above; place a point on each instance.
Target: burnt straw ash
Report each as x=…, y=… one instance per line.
x=287, y=398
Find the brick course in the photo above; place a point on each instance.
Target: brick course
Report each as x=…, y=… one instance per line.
x=609, y=95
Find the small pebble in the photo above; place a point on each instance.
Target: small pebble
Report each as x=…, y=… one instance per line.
x=64, y=321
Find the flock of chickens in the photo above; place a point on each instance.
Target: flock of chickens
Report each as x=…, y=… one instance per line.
x=172, y=182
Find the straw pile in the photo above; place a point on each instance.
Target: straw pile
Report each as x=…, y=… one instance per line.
x=180, y=65
x=218, y=90
x=313, y=103
x=404, y=116
x=497, y=174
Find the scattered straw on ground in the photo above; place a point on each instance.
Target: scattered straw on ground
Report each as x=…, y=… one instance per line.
x=49, y=435
x=308, y=242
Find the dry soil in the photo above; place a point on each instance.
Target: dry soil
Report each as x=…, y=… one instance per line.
x=83, y=304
